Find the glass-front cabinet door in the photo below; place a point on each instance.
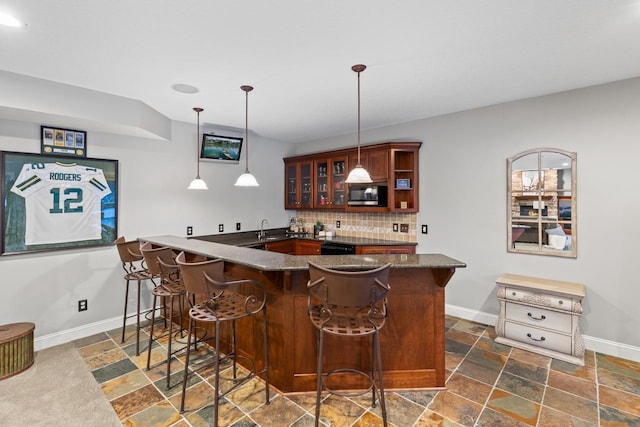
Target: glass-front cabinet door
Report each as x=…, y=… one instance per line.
x=330, y=188
x=541, y=203
x=299, y=187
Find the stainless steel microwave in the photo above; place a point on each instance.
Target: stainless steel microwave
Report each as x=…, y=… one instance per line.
x=367, y=195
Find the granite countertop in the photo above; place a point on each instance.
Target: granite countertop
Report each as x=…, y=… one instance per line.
x=274, y=261
x=249, y=238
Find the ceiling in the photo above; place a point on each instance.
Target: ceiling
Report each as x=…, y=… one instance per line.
x=424, y=57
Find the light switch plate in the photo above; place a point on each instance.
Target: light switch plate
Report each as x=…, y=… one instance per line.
x=424, y=228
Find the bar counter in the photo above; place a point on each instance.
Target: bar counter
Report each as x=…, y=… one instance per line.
x=412, y=340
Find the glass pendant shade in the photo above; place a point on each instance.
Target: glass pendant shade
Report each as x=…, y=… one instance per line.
x=358, y=175
x=246, y=179
x=198, y=183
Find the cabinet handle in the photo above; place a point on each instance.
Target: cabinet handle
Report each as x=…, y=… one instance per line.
x=531, y=316
x=535, y=339
x=513, y=294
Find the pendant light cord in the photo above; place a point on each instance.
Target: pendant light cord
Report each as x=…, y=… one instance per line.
x=198, y=147
x=198, y=110
x=246, y=89
x=358, y=68
x=359, y=164
x=246, y=130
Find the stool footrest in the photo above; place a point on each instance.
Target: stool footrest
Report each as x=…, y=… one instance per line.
x=350, y=392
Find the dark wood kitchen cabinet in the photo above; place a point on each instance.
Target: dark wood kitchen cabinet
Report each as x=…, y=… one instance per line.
x=375, y=160
x=282, y=246
x=385, y=249
x=317, y=181
x=330, y=188
x=307, y=247
x=299, y=184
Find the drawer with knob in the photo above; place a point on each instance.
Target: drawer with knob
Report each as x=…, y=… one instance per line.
x=538, y=317
x=541, y=315
x=539, y=337
x=553, y=301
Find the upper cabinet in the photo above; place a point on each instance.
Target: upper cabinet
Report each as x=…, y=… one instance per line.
x=375, y=160
x=393, y=164
x=404, y=180
x=329, y=183
x=298, y=177
x=541, y=203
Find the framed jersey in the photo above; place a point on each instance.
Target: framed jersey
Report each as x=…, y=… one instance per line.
x=55, y=202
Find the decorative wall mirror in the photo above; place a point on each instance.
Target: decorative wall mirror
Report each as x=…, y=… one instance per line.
x=541, y=203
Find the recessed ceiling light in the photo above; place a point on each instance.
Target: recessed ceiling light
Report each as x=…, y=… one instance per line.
x=183, y=88
x=9, y=20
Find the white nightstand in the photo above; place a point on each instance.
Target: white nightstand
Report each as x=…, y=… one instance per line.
x=541, y=315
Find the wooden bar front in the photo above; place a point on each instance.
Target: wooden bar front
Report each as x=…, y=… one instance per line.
x=412, y=340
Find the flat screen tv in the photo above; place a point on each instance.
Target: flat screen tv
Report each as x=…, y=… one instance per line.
x=222, y=148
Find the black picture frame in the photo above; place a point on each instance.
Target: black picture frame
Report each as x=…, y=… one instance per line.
x=63, y=142
x=51, y=202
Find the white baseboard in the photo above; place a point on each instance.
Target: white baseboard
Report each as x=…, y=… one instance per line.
x=599, y=345
x=591, y=343
x=67, y=335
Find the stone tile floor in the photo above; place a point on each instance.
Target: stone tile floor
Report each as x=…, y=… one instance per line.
x=488, y=385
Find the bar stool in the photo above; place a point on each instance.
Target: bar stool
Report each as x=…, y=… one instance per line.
x=161, y=262
x=349, y=304
x=222, y=301
x=135, y=269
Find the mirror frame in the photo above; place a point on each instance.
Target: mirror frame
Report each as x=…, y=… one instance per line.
x=538, y=221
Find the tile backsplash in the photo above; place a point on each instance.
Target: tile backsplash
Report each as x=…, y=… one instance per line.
x=369, y=225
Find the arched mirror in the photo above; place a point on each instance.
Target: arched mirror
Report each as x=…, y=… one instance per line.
x=541, y=203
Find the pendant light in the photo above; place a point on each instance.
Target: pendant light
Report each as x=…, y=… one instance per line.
x=358, y=175
x=246, y=179
x=198, y=183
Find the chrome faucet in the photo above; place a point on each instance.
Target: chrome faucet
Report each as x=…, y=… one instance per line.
x=262, y=231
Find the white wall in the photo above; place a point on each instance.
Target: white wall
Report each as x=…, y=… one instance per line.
x=153, y=199
x=463, y=199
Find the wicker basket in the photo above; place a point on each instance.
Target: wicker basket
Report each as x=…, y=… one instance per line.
x=16, y=348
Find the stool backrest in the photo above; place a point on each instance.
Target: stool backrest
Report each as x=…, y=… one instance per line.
x=192, y=274
x=129, y=251
x=348, y=288
x=152, y=257
x=169, y=271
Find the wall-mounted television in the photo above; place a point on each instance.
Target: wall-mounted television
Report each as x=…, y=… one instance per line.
x=222, y=148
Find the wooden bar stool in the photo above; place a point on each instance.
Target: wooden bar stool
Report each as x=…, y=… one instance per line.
x=349, y=304
x=135, y=269
x=161, y=262
x=217, y=301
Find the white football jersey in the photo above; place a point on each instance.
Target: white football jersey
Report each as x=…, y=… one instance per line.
x=62, y=202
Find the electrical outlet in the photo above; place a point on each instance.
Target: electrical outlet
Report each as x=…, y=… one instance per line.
x=424, y=228
x=395, y=228
x=338, y=224
x=189, y=230
x=237, y=226
x=220, y=228
x=82, y=305
x=404, y=228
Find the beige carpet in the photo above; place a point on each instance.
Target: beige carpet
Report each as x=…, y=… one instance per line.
x=58, y=390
